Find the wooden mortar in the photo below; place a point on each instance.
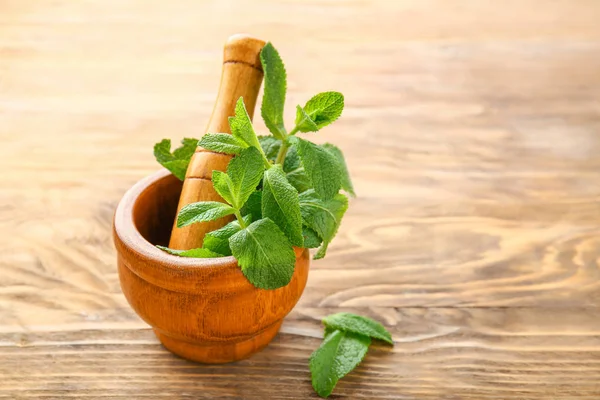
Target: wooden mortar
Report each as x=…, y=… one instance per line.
x=201, y=309
x=241, y=77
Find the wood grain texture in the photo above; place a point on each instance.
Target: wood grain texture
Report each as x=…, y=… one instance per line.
x=471, y=130
x=440, y=353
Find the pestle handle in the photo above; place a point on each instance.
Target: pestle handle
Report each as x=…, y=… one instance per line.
x=241, y=77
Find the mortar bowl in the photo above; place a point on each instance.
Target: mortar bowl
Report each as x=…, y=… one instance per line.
x=202, y=309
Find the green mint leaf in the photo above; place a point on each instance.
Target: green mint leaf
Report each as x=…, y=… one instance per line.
x=304, y=122
x=223, y=186
x=320, y=111
x=186, y=150
x=177, y=168
x=194, y=253
x=339, y=354
x=358, y=324
x=178, y=161
x=321, y=167
x=203, y=211
x=275, y=88
x=253, y=206
x=241, y=125
x=218, y=240
x=328, y=331
x=322, y=251
x=323, y=216
x=270, y=146
x=292, y=160
x=280, y=204
x=294, y=171
x=298, y=179
x=311, y=239
x=245, y=172
x=264, y=254
x=222, y=143
x=337, y=153
x=162, y=151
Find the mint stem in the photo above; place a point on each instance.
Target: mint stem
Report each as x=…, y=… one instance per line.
x=282, y=152
x=266, y=160
x=285, y=146
x=240, y=219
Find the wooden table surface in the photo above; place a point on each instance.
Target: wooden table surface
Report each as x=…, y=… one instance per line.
x=472, y=131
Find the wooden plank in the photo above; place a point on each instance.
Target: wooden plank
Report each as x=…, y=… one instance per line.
x=440, y=353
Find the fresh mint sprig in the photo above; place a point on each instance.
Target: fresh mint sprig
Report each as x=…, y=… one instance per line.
x=346, y=341
x=283, y=190
x=262, y=250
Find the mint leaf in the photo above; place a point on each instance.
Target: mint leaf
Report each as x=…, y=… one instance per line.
x=304, y=122
x=337, y=153
x=292, y=160
x=178, y=161
x=194, y=253
x=253, y=206
x=311, y=239
x=177, y=167
x=203, y=211
x=264, y=254
x=321, y=167
x=323, y=216
x=218, y=240
x=339, y=354
x=222, y=143
x=320, y=111
x=223, y=185
x=270, y=146
x=346, y=340
x=280, y=204
x=186, y=150
x=241, y=125
x=357, y=324
x=275, y=88
x=328, y=331
x=245, y=172
x=322, y=251
x=298, y=179
x=294, y=171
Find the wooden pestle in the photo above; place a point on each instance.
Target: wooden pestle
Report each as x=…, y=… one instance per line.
x=241, y=77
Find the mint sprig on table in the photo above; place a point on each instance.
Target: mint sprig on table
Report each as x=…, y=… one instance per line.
x=346, y=342
x=283, y=190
